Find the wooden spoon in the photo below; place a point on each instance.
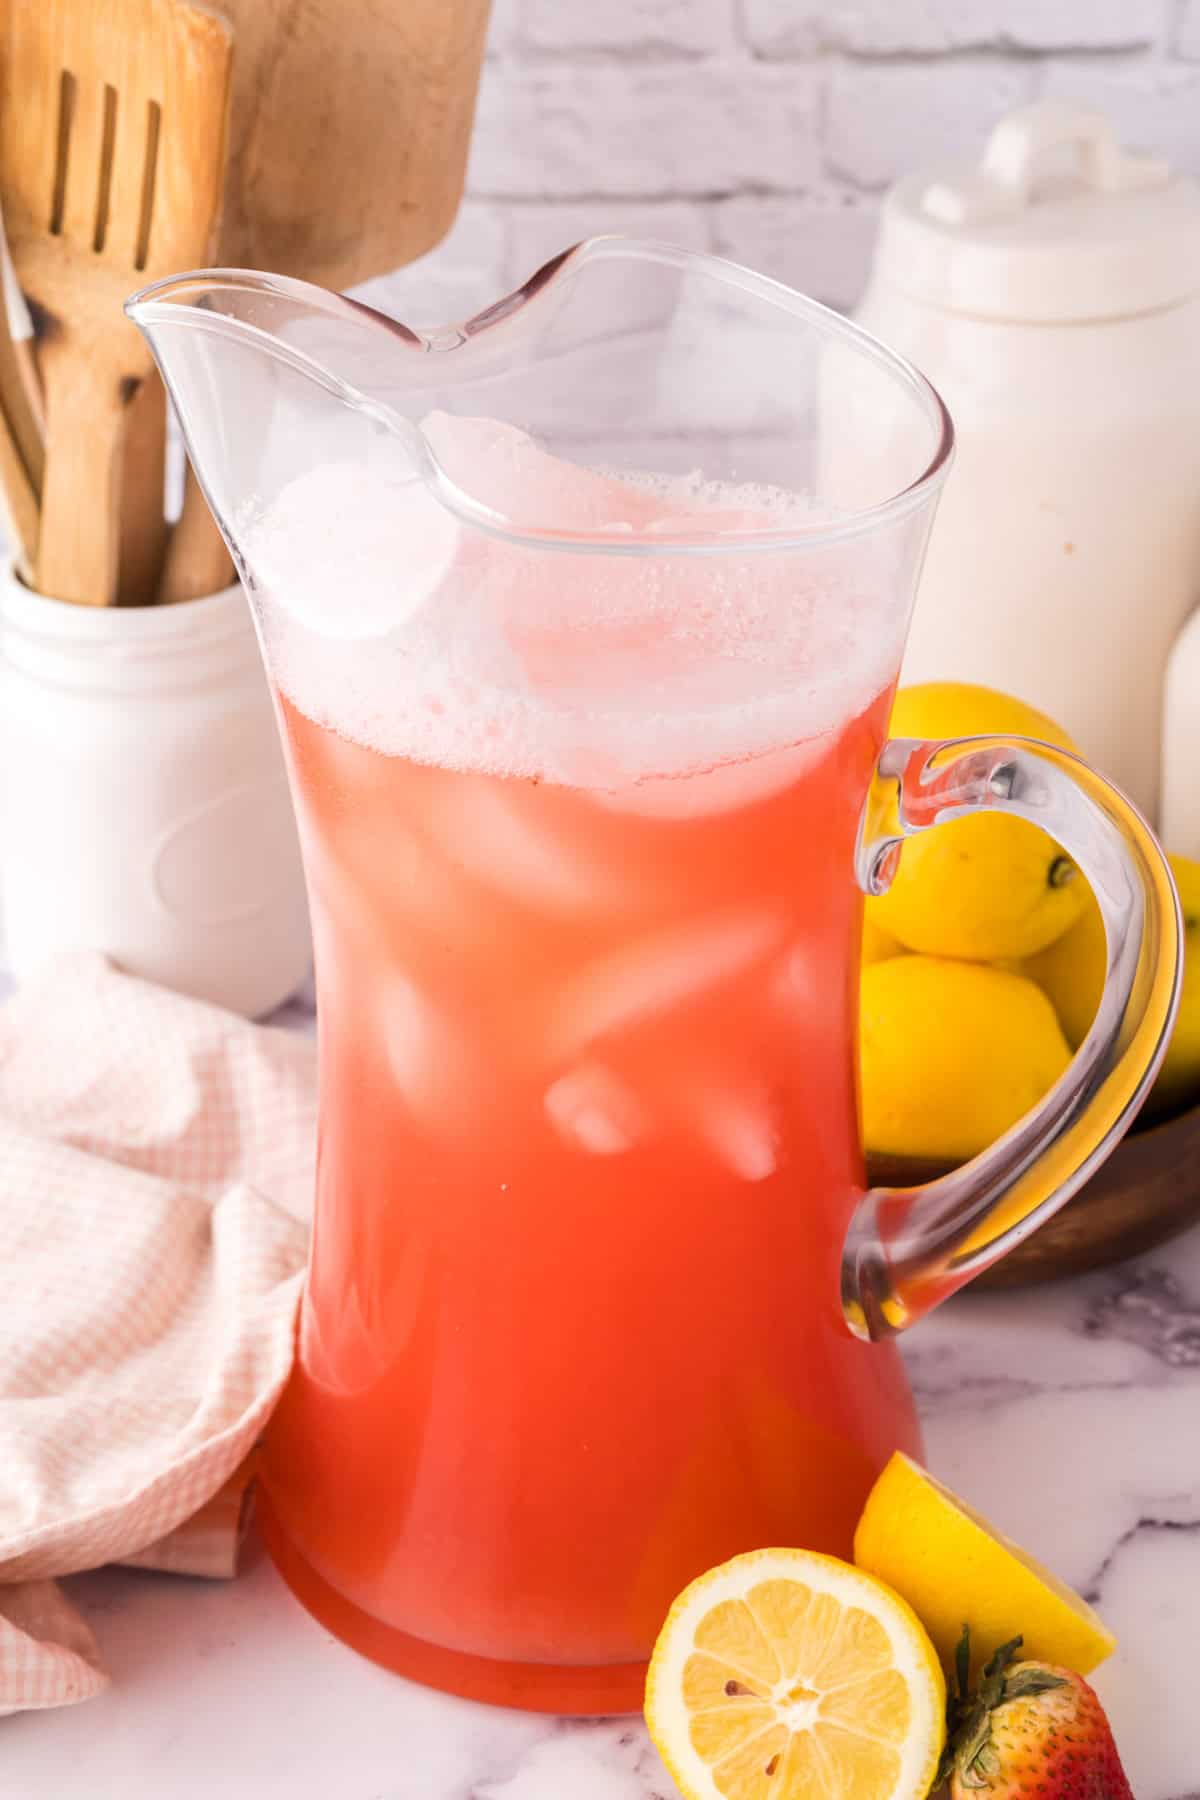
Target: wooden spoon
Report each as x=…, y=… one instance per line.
x=349, y=132
x=112, y=124
x=348, y=147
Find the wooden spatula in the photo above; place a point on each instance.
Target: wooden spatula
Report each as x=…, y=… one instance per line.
x=112, y=122
x=141, y=507
x=20, y=384
x=18, y=500
x=348, y=146
x=349, y=134
x=22, y=420
x=197, y=562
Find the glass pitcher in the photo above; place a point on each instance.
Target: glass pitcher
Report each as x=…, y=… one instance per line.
x=583, y=620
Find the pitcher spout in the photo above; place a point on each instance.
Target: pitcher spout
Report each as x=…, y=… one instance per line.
x=630, y=402
x=268, y=376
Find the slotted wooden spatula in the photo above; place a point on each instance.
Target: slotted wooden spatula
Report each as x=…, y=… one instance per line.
x=112, y=122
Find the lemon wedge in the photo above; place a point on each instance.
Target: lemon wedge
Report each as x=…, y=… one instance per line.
x=787, y=1675
x=955, y=1569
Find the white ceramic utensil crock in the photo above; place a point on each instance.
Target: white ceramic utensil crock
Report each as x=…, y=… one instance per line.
x=1053, y=296
x=146, y=812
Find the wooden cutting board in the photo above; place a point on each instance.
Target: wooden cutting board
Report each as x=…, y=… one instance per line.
x=1145, y=1193
x=349, y=132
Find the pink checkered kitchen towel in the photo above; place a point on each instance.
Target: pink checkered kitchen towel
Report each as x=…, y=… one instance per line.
x=155, y=1173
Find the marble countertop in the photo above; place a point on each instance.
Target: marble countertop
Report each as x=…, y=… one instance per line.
x=1071, y=1414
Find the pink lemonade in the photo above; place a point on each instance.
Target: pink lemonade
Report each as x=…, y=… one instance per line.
x=583, y=703
x=589, y=1136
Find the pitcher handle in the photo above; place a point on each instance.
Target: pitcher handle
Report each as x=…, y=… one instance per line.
x=908, y=1249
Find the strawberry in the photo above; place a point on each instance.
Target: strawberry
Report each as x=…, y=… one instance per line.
x=1028, y=1730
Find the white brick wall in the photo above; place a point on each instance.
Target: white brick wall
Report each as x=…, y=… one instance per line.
x=765, y=129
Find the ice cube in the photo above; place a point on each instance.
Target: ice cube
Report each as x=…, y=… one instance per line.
x=712, y=1098
x=659, y=972
x=435, y=1066
x=503, y=469
x=391, y=887
x=594, y=1111
x=484, y=826
x=797, y=981
x=740, y=1129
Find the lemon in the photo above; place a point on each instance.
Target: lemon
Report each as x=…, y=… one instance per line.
x=1178, y=1083
x=878, y=944
x=983, y=887
x=1071, y=972
x=785, y=1674
x=955, y=1569
x=952, y=1054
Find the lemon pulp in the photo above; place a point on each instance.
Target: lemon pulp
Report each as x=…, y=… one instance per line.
x=787, y=1675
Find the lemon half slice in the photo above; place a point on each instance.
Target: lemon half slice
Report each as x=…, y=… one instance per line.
x=787, y=1675
x=957, y=1570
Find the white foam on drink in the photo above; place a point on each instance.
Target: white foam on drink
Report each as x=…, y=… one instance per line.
x=407, y=631
x=300, y=543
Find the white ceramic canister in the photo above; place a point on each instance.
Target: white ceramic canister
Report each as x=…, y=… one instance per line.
x=1180, y=821
x=146, y=811
x=1053, y=296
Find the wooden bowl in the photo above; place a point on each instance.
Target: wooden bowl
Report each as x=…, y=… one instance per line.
x=1146, y=1192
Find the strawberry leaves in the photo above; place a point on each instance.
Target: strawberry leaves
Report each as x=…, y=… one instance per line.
x=970, y=1751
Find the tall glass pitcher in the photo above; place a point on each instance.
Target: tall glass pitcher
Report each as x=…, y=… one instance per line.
x=583, y=620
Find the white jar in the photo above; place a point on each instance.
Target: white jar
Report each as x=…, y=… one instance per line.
x=1053, y=297
x=146, y=811
x=1181, y=745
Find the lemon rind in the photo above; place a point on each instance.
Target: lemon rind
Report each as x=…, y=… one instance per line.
x=913, y=1656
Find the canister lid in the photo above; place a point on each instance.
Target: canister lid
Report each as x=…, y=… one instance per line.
x=1057, y=222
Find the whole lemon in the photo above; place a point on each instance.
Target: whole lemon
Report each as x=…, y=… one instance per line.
x=952, y=1054
x=1178, y=1083
x=1071, y=972
x=878, y=944
x=986, y=887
